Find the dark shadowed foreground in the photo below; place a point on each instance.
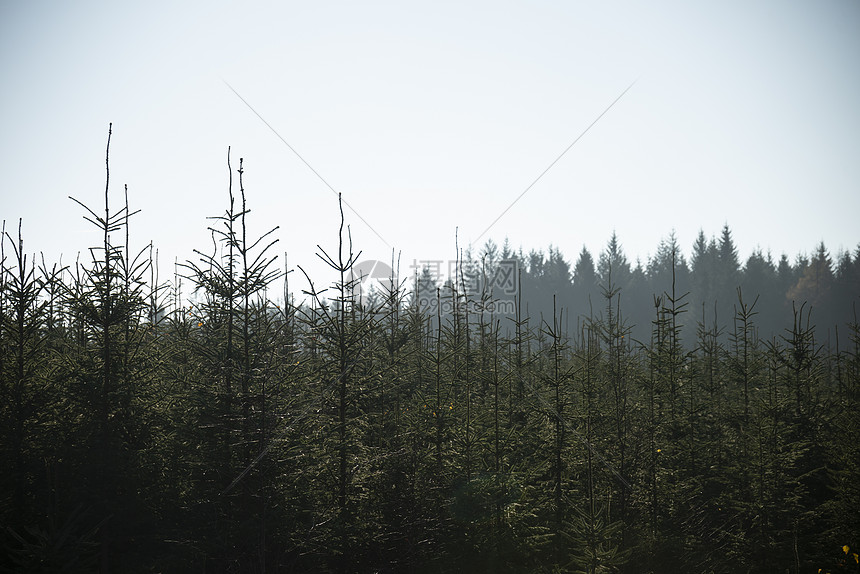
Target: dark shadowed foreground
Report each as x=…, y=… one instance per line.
x=606, y=420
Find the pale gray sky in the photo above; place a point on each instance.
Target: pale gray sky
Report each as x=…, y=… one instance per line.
x=429, y=116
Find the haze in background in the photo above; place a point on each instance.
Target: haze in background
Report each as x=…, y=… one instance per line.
x=429, y=117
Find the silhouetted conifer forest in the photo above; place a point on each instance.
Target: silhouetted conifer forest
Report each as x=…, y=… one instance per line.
x=523, y=415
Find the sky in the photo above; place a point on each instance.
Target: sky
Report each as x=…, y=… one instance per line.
x=431, y=119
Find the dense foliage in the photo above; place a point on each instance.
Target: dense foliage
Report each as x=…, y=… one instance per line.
x=417, y=427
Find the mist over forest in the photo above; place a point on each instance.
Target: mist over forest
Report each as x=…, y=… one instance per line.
x=513, y=412
x=708, y=290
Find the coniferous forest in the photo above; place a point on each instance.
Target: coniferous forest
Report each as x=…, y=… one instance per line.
x=523, y=415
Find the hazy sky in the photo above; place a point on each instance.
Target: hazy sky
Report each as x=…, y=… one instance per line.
x=430, y=116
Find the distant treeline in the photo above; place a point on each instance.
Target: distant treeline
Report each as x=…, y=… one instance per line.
x=710, y=286
x=416, y=427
